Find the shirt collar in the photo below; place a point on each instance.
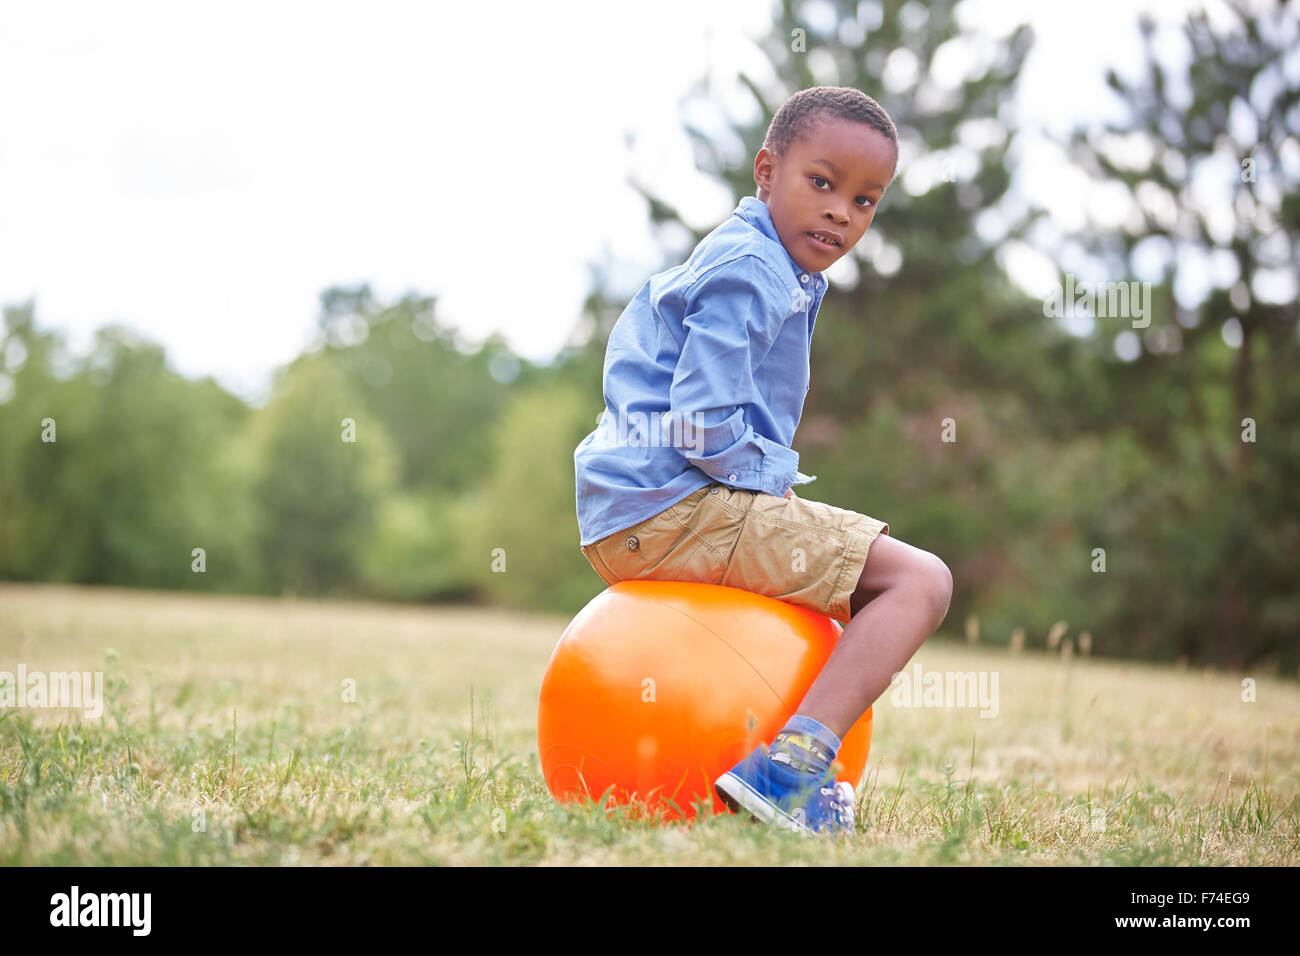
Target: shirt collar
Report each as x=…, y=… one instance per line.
x=755, y=212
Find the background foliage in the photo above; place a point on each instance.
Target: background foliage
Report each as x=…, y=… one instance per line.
x=1067, y=440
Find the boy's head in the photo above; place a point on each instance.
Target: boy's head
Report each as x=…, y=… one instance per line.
x=826, y=160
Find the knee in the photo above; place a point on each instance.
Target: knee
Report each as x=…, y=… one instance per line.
x=935, y=582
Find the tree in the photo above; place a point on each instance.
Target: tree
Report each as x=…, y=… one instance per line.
x=1208, y=161
x=524, y=546
x=433, y=397
x=125, y=481
x=323, y=466
x=920, y=323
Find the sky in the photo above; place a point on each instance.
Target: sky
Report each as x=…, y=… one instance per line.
x=202, y=172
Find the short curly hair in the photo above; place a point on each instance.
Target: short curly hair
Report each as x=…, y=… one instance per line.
x=801, y=112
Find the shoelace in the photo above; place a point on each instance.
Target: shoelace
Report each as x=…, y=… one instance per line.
x=841, y=800
x=840, y=803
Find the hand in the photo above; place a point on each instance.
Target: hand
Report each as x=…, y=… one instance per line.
x=791, y=494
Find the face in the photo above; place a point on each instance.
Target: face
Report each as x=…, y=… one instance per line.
x=828, y=182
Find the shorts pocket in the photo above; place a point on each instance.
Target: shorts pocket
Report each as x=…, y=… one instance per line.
x=715, y=524
x=639, y=551
x=663, y=548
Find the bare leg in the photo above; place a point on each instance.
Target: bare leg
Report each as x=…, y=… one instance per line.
x=901, y=599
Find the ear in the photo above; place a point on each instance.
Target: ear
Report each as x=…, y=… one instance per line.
x=764, y=165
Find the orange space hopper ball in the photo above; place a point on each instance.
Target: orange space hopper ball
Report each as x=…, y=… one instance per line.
x=657, y=688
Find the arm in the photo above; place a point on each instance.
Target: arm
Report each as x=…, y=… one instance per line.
x=733, y=315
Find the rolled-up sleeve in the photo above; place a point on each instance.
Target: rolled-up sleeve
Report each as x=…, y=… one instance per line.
x=732, y=317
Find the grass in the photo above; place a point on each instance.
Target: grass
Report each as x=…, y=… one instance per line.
x=227, y=739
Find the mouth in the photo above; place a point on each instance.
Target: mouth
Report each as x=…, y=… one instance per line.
x=826, y=240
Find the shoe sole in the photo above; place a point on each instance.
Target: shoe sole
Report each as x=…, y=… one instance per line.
x=739, y=795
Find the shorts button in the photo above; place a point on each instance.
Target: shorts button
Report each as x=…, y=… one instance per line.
x=713, y=491
x=633, y=544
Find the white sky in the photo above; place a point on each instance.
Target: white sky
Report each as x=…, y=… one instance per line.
x=203, y=172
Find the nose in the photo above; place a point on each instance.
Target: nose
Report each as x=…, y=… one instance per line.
x=834, y=214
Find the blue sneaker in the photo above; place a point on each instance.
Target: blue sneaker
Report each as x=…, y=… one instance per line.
x=788, y=798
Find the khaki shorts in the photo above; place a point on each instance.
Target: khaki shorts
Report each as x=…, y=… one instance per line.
x=804, y=552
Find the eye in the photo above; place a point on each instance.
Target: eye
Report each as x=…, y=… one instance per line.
x=818, y=180
x=867, y=198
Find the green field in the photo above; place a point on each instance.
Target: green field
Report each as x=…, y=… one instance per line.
x=226, y=739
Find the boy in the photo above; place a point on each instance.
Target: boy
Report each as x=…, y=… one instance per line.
x=715, y=353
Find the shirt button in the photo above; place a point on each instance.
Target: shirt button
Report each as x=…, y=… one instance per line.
x=731, y=477
x=804, y=278
x=633, y=544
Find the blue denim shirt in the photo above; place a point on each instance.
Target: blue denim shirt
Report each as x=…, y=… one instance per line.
x=706, y=372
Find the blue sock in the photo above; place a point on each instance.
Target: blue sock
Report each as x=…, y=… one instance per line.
x=806, y=745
